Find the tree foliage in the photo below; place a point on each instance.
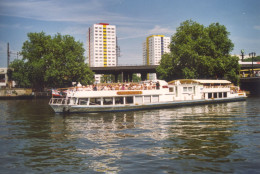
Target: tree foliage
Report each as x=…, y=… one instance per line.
x=19, y=73
x=199, y=52
x=255, y=59
x=54, y=61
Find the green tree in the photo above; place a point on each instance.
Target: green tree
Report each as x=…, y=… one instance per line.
x=55, y=61
x=136, y=78
x=107, y=78
x=199, y=52
x=255, y=59
x=19, y=73
x=34, y=52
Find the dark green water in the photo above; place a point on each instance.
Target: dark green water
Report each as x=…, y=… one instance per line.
x=219, y=138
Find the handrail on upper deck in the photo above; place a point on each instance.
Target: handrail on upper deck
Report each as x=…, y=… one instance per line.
x=58, y=101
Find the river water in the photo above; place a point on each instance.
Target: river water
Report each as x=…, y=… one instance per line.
x=216, y=138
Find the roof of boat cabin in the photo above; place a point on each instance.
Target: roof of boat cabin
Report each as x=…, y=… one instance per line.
x=200, y=81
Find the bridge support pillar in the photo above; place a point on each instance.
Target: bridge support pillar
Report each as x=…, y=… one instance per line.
x=125, y=77
x=130, y=77
x=143, y=76
x=116, y=77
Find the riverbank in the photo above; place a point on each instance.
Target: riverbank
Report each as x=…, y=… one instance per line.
x=22, y=93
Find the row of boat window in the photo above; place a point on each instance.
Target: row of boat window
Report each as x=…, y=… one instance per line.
x=217, y=95
x=185, y=89
x=118, y=100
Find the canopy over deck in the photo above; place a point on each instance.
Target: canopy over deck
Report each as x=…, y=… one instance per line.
x=199, y=81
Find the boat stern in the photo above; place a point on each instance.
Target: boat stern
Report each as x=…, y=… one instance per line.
x=59, y=105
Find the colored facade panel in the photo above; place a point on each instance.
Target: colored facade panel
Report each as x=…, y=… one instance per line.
x=105, y=45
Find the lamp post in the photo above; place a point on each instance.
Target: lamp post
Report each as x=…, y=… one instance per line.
x=242, y=54
x=9, y=54
x=252, y=55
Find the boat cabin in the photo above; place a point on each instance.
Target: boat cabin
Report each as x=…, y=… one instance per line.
x=190, y=89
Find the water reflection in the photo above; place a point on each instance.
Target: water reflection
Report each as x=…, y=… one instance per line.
x=95, y=137
x=203, y=133
x=207, y=138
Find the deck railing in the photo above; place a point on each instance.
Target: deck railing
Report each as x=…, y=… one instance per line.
x=59, y=101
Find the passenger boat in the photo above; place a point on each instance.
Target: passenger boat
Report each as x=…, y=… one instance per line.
x=146, y=95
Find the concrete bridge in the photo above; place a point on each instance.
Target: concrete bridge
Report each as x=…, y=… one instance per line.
x=251, y=84
x=249, y=65
x=126, y=71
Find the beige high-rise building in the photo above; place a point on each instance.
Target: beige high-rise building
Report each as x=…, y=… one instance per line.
x=153, y=49
x=101, y=46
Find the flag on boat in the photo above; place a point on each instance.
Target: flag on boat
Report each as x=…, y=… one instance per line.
x=55, y=93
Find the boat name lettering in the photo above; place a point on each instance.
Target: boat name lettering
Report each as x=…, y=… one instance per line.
x=128, y=92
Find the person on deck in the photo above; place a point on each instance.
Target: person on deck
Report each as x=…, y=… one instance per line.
x=157, y=85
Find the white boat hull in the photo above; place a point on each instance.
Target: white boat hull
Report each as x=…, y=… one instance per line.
x=64, y=108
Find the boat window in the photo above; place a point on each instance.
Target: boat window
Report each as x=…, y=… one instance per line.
x=129, y=100
x=95, y=101
x=147, y=99
x=209, y=95
x=74, y=100
x=190, y=89
x=155, y=99
x=83, y=101
x=185, y=89
x=138, y=99
x=171, y=89
x=176, y=91
x=119, y=100
x=107, y=100
x=215, y=95
x=220, y=95
x=64, y=101
x=54, y=100
x=225, y=94
x=2, y=78
x=59, y=101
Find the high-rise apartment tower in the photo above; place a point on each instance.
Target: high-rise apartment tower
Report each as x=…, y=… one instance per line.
x=153, y=49
x=101, y=45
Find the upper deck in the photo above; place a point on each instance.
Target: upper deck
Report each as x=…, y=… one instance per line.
x=119, y=89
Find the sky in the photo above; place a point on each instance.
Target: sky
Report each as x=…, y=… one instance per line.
x=134, y=19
